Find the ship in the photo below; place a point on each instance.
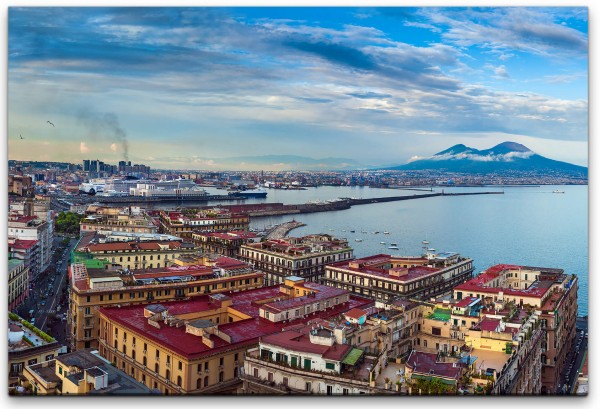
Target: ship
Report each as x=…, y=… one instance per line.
x=558, y=191
x=258, y=192
x=393, y=246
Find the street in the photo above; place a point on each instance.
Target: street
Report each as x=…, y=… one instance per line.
x=575, y=357
x=48, y=296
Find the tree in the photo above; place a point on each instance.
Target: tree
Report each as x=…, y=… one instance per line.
x=67, y=222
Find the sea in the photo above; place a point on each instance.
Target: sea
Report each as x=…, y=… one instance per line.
x=526, y=225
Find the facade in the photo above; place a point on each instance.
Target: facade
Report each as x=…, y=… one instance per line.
x=94, y=288
x=224, y=243
x=133, y=255
x=32, y=228
x=18, y=282
x=184, y=224
x=26, y=346
x=20, y=185
x=550, y=292
x=197, y=346
x=127, y=220
x=81, y=373
x=385, y=277
x=304, y=257
x=28, y=252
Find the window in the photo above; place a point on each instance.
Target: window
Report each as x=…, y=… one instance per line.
x=329, y=365
x=436, y=331
x=285, y=381
x=158, y=354
x=198, y=383
x=101, y=298
x=221, y=361
x=110, y=297
x=425, y=343
x=256, y=372
x=308, y=386
x=180, y=366
x=87, y=299
x=49, y=357
x=235, y=357
x=345, y=391
x=270, y=376
x=32, y=362
x=206, y=366
x=221, y=376
x=60, y=371
x=205, y=381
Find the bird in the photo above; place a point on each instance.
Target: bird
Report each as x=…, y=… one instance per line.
x=21, y=136
x=50, y=123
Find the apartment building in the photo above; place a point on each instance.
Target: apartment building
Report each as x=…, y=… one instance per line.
x=29, y=228
x=385, y=277
x=224, y=243
x=547, y=290
x=27, y=345
x=28, y=252
x=184, y=224
x=197, y=346
x=130, y=219
x=81, y=373
x=93, y=288
x=132, y=255
x=18, y=282
x=304, y=257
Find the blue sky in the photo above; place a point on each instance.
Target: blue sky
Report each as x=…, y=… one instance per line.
x=188, y=87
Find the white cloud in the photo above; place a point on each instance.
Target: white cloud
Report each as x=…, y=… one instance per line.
x=113, y=147
x=83, y=148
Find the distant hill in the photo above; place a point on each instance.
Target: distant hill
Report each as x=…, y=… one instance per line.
x=502, y=158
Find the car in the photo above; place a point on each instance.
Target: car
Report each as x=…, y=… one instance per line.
x=32, y=321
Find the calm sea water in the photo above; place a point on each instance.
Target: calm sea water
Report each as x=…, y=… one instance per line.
x=525, y=226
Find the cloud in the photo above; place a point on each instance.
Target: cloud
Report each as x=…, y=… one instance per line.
x=83, y=148
x=113, y=147
x=500, y=71
x=506, y=157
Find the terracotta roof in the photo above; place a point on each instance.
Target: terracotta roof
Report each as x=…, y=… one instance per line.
x=23, y=244
x=355, y=313
x=300, y=341
x=465, y=302
x=489, y=324
x=131, y=245
x=426, y=363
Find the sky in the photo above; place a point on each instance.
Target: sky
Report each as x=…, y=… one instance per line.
x=211, y=88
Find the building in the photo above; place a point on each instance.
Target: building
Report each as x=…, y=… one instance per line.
x=547, y=290
x=95, y=286
x=81, y=373
x=28, y=252
x=224, y=243
x=18, y=282
x=309, y=359
x=20, y=186
x=401, y=319
x=385, y=277
x=197, y=346
x=27, y=345
x=422, y=368
x=31, y=228
x=184, y=224
x=132, y=255
x=128, y=220
x=296, y=256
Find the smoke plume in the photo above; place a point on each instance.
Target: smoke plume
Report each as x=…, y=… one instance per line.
x=105, y=124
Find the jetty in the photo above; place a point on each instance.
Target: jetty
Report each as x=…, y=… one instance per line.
x=281, y=230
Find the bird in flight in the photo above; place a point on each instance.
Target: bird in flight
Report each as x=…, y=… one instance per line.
x=50, y=123
x=21, y=136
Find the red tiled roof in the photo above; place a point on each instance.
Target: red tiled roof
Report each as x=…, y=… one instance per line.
x=465, y=302
x=130, y=245
x=371, y=267
x=23, y=244
x=300, y=341
x=355, y=313
x=489, y=324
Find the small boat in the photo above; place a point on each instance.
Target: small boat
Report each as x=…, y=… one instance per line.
x=393, y=246
x=386, y=232
x=357, y=239
x=558, y=191
x=382, y=242
x=351, y=231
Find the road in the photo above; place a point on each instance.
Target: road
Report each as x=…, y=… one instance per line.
x=44, y=300
x=575, y=358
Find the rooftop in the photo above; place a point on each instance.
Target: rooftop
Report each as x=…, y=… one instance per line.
x=246, y=331
x=379, y=266
x=426, y=363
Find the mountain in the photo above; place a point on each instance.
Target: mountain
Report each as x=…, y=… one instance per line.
x=293, y=162
x=502, y=158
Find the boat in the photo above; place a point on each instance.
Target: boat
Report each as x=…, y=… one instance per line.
x=375, y=232
x=393, y=246
x=358, y=240
x=386, y=232
x=382, y=242
x=258, y=192
x=352, y=231
x=558, y=191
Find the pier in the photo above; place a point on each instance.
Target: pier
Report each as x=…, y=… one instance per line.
x=281, y=230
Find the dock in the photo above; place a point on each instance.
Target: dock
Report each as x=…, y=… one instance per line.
x=281, y=230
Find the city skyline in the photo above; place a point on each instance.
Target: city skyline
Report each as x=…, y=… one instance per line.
x=171, y=88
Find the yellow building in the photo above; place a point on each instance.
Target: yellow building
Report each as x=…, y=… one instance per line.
x=95, y=288
x=198, y=345
x=81, y=373
x=184, y=224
